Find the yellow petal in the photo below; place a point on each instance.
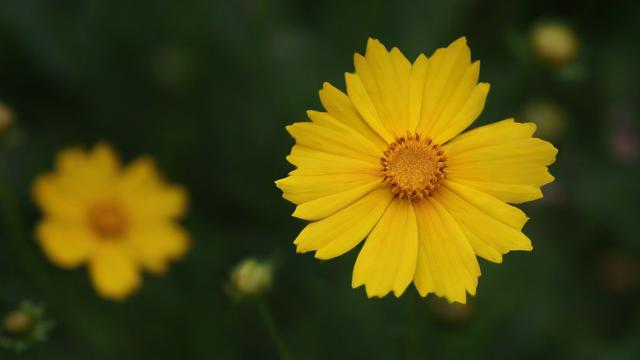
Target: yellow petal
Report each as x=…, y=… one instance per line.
x=501, y=159
x=146, y=196
x=113, y=270
x=340, y=107
x=339, y=233
x=343, y=143
x=326, y=206
x=465, y=116
x=88, y=175
x=104, y=161
x=70, y=160
x=446, y=69
x=447, y=264
x=418, y=78
x=365, y=106
x=385, y=77
x=387, y=261
x=304, y=188
x=314, y=162
x=448, y=110
x=157, y=243
x=326, y=120
x=492, y=226
x=80, y=179
x=58, y=200
x=489, y=135
x=65, y=244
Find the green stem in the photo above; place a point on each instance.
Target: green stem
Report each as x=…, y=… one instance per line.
x=412, y=336
x=16, y=233
x=265, y=313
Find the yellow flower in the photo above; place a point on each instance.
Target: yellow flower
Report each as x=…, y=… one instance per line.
x=117, y=220
x=387, y=162
x=555, y=43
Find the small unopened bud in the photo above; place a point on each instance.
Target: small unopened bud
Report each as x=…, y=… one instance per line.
x=18, y=323
x=251, y=277
x=550, y=119
x=6, y=116
x=23, y=327
x=554, y=43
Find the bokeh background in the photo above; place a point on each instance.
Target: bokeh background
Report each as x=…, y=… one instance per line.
x=206, y=87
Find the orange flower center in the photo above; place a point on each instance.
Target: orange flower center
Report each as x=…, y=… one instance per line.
x=108, y=220
x=413, y=167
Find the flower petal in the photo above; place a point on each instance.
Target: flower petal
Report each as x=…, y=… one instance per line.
x=328, y=205
x=447, y=264
x=339, y=233
x=385, y=77
x=114, y=273
x=501, y=159
x=448, y=85
x=419, y=72
x=387, y=261
x=145, y=194
x=315, y=162
x=157, y=243
x=304, y=188
x=65, y=244
x=365, y=106
x=59, y=200
x=339, y=142
x=492, y=226
x=340, y=107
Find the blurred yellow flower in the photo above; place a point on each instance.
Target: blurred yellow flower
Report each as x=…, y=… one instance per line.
x=117, y=220
x=555, y=43
x=387, y=162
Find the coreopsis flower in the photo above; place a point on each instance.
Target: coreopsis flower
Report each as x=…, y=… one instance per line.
x=387, y=162
x=117, y=220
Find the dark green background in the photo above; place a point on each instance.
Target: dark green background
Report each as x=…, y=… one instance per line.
x=206, y=88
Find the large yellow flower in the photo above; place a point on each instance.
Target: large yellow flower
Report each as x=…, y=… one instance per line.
x=117, y=220
x=387, y=162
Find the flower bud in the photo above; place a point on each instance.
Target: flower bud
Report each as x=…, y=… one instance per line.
x=23, y=327
x=554, y=43
x=251, y=277
x=6, y=116
x=17, y=323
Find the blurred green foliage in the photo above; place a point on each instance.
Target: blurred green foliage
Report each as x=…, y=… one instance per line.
x=206, y=87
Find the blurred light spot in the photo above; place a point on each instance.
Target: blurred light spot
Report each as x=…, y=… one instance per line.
x=551, y=120
x=624, y=141
x=450, y=314
x=554, y=43
x=618, y=272
x=172, y=68
x=6, y=117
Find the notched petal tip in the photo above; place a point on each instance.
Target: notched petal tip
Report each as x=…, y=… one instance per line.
x=422, y=58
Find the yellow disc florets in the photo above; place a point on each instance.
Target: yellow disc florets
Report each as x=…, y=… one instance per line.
x=413, y=167
x=107, y=220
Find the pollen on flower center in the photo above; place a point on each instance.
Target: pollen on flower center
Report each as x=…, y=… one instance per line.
x=413, y=167
x=107, y=220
